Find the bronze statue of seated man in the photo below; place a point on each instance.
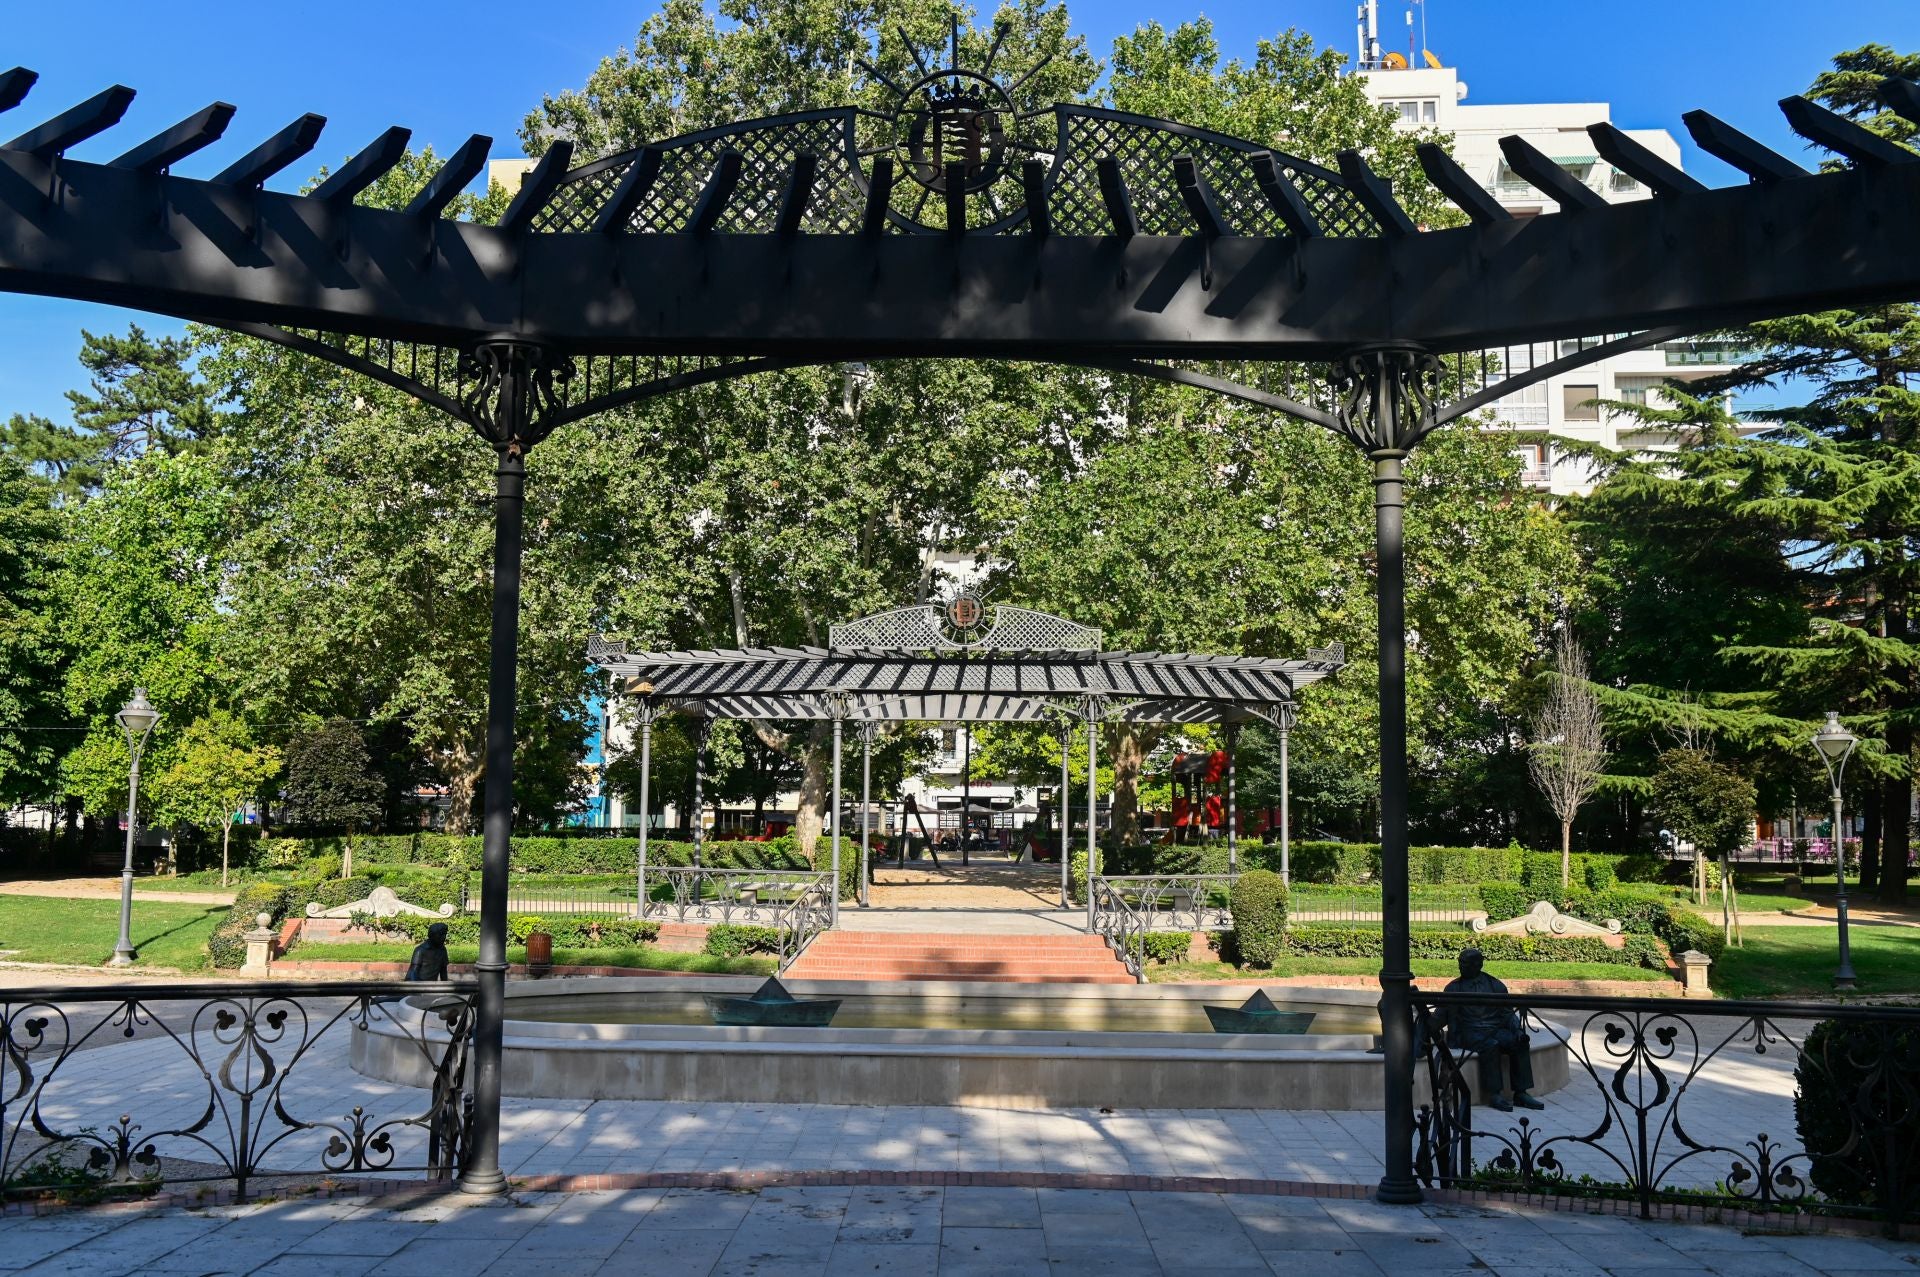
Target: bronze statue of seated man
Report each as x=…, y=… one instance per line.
x=1496, y=1035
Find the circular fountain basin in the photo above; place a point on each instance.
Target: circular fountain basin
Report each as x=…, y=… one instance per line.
x=986, y=1045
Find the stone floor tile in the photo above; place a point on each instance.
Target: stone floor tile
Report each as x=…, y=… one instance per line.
x=435, y=1256
x=677, y=1252
x=296, y=1265
x=354, y=1237
x=991, y=1208
x=1339, y=1262
x=1830, y=1253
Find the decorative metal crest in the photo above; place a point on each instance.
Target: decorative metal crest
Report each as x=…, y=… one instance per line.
x=931, y=628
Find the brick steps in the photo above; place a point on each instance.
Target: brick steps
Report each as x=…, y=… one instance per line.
x=870, y=955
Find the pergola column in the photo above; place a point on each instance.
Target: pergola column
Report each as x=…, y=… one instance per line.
x=867, y=732
x=1066, y=811
x=1387, y=407
x=1090, y=707
x=701, y=726
x=1283, y=719
x=646, y=711
x=513, y=392
x=1233, y=810
x=838, y=706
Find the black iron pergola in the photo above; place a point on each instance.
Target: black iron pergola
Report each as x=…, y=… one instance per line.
x=956, y=226
x=968, y=662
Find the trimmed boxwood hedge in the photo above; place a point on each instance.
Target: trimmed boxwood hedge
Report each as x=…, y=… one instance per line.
x=1360, y=942
x=1259, y=904
x=733, y=940
x=541, y=854
x=578, y=932
x=426, y=889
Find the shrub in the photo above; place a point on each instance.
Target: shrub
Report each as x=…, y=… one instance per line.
x=1601, y=872
x=1502, y=900
x=1853, y=1082
x=1343, y=864
x=730, y=940
x=576, y=931
x=1363, y=942
x=225, y=945
x=1168, y=946
x=1640, y=867
x=1259, y=904
x=1077, y=877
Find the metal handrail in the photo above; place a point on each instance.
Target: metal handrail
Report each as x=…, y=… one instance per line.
x=244, y=1040
x=804, y=921
x=725, y=896
x=1178, y=901
x=1123, y=926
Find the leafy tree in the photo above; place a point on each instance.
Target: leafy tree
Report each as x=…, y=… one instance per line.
x=31, y=652
x=1704, y=802
x=1569, y=746
x=330, y=780
x=144, y=397
x=216, y=766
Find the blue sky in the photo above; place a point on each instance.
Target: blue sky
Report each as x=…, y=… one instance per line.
x=448, y=69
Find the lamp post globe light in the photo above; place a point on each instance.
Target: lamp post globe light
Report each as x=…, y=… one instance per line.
x=1835, y=744
x=136, y=719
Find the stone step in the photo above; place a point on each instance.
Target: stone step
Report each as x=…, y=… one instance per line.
x=1063, y=959
x=937, y=977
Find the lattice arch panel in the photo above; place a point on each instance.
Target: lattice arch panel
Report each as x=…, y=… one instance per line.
x=767, y=150
x=1146, y=150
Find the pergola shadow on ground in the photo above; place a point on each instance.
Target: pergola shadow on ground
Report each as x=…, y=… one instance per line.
x=1118, y=242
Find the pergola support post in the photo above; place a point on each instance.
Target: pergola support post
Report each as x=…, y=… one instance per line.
x=1233, y=806
x=646, y=786
x=512, y=386
x=833, y=905
x=1387, y=407
x=1285, y=722
x=1066, y=812
x=866, y=804
x=701, y=726
x=1091, y=708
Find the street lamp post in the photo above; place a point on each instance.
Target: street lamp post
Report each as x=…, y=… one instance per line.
x=136, y=719
x=1835, y=744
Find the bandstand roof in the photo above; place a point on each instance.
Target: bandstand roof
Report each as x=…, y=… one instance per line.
x=906, y=666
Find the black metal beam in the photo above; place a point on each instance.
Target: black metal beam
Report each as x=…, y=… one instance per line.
x=716, y=194
x=1374, y=195
x=1033, y=183
x=954, y=196
x=75, y=124
x=1459, y=186
x=1198, y=197
x=1284, y=197
x=445, y=185
x=1558, y=185
x=1722, y=141
x=537, y=187
x=1641, y=164
x=15, y=84
x=873, y=218
x=366, y=168
x=1697, y=261
x=1113, y=192
x=165, y=149
x=798, y=193
x=1842, y=136
x=616, y=215
x=252, y=170
x=1902, y=96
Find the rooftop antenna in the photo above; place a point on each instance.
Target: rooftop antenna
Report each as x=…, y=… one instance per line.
x=1369, y=30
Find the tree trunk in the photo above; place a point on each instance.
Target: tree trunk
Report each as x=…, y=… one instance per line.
x=1896, y=838
x=1566, y=855
x=1127, y=757
x=816, y=785
x=226, y=837
x=464, y=773
x=1872, y=807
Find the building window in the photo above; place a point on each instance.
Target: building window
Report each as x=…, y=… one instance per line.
x=1634, y=390
x=1574, y=405
x=1623, y=183
x=1691, y=353
x=1526, y=406
x=1414, y=111
x=1536, y=463
x=949, y=741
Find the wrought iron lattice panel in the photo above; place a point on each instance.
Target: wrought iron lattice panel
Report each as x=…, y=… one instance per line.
x=228, y=1106
x=767, y=151
x=920, y=629
x=1146, y=150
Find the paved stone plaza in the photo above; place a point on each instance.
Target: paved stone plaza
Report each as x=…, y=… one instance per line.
x=1002, y=1232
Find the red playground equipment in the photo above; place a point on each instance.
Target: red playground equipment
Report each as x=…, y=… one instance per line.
x=1199, y=796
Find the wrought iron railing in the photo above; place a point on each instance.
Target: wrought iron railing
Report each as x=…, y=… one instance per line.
x=568, y=901
x=752, y=896
x=1124, y=927
x=801, y=922
x=1176, y=901
x=1755, y=1105
x=70, y=1115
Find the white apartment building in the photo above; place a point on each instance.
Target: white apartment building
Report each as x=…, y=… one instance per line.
x=1436, y=97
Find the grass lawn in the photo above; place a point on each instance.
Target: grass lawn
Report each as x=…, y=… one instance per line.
x=1178, y=972
x=83, y=932
x=1798, y=962
x=642, y=957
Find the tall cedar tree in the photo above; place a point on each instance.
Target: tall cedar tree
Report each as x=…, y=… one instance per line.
x=330, y=780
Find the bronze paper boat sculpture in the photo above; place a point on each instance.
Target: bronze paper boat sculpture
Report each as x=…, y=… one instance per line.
x=771, y=1006
x=1258, y=1015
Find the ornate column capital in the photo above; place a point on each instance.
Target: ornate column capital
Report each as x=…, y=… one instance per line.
x=512, y=392
x=1386, y=397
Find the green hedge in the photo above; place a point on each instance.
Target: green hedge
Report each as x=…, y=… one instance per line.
x=585, y=931
x=1675, y=926
x=1259, y=904
x=1168, y=946
x=732, y=940
x=428, y=890
x=1361, y=942
x=537, y=854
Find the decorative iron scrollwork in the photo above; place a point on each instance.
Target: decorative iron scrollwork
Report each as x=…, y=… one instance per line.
x=1386, y=397
x=512, y=392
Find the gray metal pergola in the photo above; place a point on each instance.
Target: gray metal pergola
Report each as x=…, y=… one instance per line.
x=928, y=664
